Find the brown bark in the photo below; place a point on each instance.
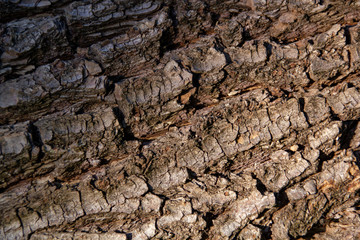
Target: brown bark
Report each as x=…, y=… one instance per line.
x=179, y=119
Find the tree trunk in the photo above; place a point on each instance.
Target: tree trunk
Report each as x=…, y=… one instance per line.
x=180, y=119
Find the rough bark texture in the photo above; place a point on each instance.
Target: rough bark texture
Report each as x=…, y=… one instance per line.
x=179, y=119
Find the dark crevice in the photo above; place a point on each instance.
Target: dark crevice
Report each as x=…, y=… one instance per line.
x=68, y=33
x=35, y=140
x=207, y=170
x=357, y=205
x=223, y=95
x=98, y=228
x=35, y=135
x=265, y=231
x=281, y=198
x=300, y=147
x=92, y=183
x=219, y=46
x=311, y=81
x=167, y=42
x=245, y=37
x=151, y=189
x=269, y=48
x=162, y=205
x=357, y=156
x=302, y=105
x=173, y=17
x=320, y=225
x=80, y=111
x=333, y=115
x=315, y=229
x=275, y=40
x=109, y=87
x=259, y=185
x=347, y=35
x=110, y=83
x=192, y=175
x=214, y=18
x=192, y=134
x=336, y=77
x=169, y=35
x=21, y=223
x=202, y=33
x=220, y=175
x=209, y=218
x=56, y=183
x=129, y=236
x=226, y=75
x=347, y=133
x=193, y=102
x=30, y=235
x=323, y=158
x=128, y=134
x=103, y=162
x=195, y=79
x=227, y=58
x=13, y=11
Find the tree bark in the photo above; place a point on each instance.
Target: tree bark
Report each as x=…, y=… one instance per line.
x=179, y=119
